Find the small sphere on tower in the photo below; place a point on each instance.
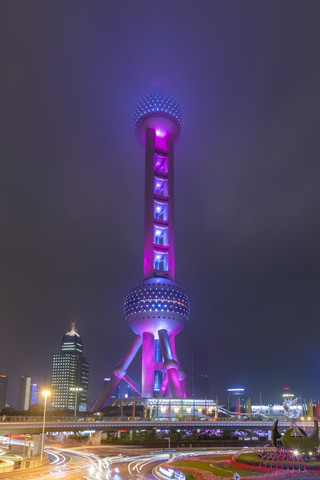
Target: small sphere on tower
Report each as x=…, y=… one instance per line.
x=161, y=112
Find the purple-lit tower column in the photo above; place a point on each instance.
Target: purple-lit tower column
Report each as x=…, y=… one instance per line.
x=157, y=308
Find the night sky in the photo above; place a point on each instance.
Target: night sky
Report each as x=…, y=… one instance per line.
x=247, y=195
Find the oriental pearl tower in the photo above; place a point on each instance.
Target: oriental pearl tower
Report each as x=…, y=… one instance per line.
x=157, y=308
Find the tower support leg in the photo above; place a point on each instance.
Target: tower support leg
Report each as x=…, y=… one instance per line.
x=132, y=384
x=170, y=364
x=164, y=385
x=183, y=388
x=118, y=373
x=181, y=374
x=147, y=364
x=172, y=340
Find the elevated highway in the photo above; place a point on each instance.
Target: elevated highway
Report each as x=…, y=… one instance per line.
x=35, y=426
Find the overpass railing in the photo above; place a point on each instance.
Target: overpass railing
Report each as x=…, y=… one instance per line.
x=24, y=419
x=144, y=420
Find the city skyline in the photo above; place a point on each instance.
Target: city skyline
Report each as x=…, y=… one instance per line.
x=246, y=188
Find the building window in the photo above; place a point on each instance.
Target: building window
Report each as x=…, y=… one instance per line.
x=160, y=235
x=161, y=163
x=160, y=211
x=161, y=187
x=160, y=261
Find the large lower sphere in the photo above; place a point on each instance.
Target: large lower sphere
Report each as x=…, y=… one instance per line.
x=155, y=304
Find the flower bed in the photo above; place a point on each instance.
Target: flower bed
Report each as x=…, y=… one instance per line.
x=246, y=466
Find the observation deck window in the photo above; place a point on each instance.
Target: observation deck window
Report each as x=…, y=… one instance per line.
x=160, y=163
x=160, y=211
x=160, y=261
x=160, y=235
x=161, y=186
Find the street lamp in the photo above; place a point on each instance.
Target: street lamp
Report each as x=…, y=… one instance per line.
x=76, y=390
x=46, y=394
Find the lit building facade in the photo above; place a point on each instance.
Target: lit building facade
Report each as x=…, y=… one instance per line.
x=3, y=390
x=235, y=399
x=166, y=408
x=24, y=395
x=157, y=308
x=34, y=393
x=70, y=370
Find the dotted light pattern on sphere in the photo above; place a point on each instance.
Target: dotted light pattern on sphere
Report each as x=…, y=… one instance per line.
x=150, y=298
x=157, y=103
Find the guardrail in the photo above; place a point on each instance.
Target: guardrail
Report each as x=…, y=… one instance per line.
x=139, y=423
x=35, y=426
x=39, y=418
x=240, y=421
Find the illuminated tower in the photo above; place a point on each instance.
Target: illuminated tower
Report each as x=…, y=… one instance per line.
x=157, y=308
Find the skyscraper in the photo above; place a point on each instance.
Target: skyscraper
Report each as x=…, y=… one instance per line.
x=156, y=309
x=33, y=395
x=70, y=370
x=200, y=375
x=24, y=395
x=235, y=399
x=3, y=390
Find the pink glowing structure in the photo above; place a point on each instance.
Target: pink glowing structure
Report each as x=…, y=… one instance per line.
x=282, y=458
x=156, y=309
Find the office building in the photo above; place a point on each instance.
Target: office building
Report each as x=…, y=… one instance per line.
x=34, y=393
x=235, y=399
x=200, y=372
x=24, y=395
x=70, y=371
x=3, y=390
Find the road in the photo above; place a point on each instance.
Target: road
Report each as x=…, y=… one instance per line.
x=64, y=464
x=92, y=464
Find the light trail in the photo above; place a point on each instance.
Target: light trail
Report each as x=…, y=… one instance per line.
x=59, y=457
x=74, y=463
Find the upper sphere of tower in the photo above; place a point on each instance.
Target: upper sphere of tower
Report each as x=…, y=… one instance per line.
x=155, y=108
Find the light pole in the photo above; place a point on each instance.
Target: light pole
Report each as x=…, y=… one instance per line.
x=76, y=390
x=46, y=394
x=168, y=438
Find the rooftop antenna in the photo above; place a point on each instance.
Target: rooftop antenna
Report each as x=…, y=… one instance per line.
x=73, y=330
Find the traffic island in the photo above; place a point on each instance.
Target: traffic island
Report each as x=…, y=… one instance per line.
x=203, y=468
x=10, y=463
x=273, y=459
x=241, y=465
